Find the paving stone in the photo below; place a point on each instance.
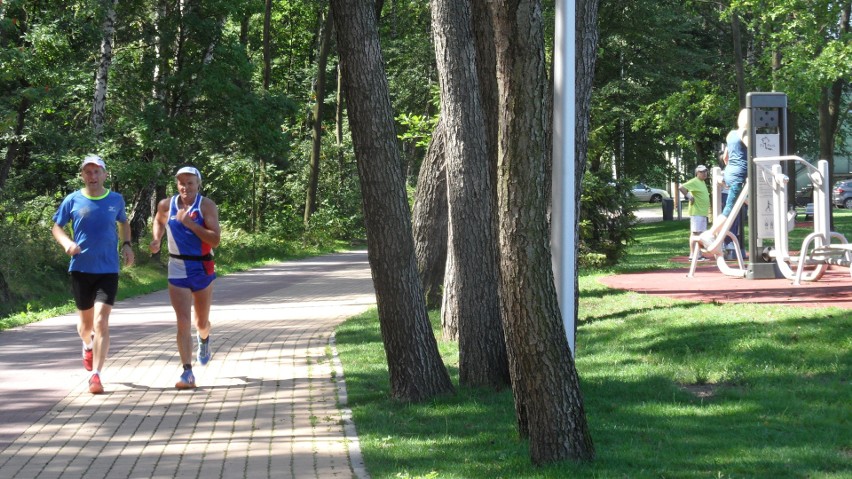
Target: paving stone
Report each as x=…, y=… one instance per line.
x=266, y=405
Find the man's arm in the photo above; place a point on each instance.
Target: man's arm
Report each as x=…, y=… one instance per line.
x=685, y=192
x=126, y=249
x=211, y=232
x=61, y=237
x=159, y=226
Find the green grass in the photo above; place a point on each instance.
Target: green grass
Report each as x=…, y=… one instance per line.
x=672, y=389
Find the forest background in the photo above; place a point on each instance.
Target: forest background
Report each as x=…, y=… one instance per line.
x=250, y=93
x=245, y=91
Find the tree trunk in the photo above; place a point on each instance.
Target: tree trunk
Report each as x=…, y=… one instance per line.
x=144, y=202
x=260, y=179
x=267, y=50
x=322, y=61
x=831, y=100
x=486, y=72
x=141, y=212
x=99, y=102
x=470, y=282
x=430, y=224
x=415, y=368
x=15, y=143
x=338, y=127
x=739, y=68
x=586, y=53
x=5, y=292
x=548, y=402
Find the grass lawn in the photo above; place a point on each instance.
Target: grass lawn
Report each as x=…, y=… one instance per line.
x=673, y=389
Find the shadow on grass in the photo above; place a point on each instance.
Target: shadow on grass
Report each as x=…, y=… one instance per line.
x=779, y=405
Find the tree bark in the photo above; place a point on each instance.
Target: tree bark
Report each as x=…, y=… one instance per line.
x=831, y=98
x=430, y=224
x=470, y=282
x=486, y=72
x=267, y=41
x=260, y=179
x=548, y=402
x=316, y=141
x=415, y=368
x=586, y=53
x=141, y=212
x=338, y=127
x=99, y=102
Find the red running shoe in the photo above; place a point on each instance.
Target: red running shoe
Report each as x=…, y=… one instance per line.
x=87, y=359
x=95, y=386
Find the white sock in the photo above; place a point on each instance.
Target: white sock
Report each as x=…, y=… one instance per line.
x=96, y=371
x=89, y=345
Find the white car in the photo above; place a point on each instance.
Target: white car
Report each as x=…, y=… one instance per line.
x=643, y=192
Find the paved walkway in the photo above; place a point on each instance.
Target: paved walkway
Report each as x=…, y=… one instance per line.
x=266, y=405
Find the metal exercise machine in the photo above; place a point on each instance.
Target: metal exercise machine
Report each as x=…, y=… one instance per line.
x=769, y=216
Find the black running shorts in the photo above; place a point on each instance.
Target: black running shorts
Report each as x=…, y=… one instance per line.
x=90, y=288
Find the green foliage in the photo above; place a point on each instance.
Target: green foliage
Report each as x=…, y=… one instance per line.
x=417, y=129
x=405, y=29
x=332, y=223
x=33, y=268
x=606, y=219
x=648, y=51
x=814, y=50
x=689, y=116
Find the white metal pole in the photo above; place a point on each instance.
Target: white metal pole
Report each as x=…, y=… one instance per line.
x=564, y=203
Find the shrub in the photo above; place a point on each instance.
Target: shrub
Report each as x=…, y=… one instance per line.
x=32, y=265
x=606, y=221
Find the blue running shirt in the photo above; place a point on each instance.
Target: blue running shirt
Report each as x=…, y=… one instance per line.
x=94, y=230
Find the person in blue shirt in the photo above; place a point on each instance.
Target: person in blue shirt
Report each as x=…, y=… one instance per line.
x=735, y=158
x=191, y=222
x=93, y=213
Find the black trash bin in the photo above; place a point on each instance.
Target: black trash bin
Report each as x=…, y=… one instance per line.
x=668, y=209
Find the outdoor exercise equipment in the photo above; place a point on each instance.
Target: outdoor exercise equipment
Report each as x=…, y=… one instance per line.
x=739, y=271
x=817, y=250
x=768, y=214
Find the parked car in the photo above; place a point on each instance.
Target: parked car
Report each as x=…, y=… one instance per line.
x=842, y=194
x=643, y=192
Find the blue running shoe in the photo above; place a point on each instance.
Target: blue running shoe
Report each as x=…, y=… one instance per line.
x=187, y=380
x=203, y=351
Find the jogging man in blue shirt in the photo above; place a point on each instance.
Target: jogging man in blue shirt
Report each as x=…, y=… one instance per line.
x=93, y=212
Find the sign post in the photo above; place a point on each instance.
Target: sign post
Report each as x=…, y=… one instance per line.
x=767, y=134
x=564, y=201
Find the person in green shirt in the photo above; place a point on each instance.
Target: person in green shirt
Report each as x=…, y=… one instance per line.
x=695, y=191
